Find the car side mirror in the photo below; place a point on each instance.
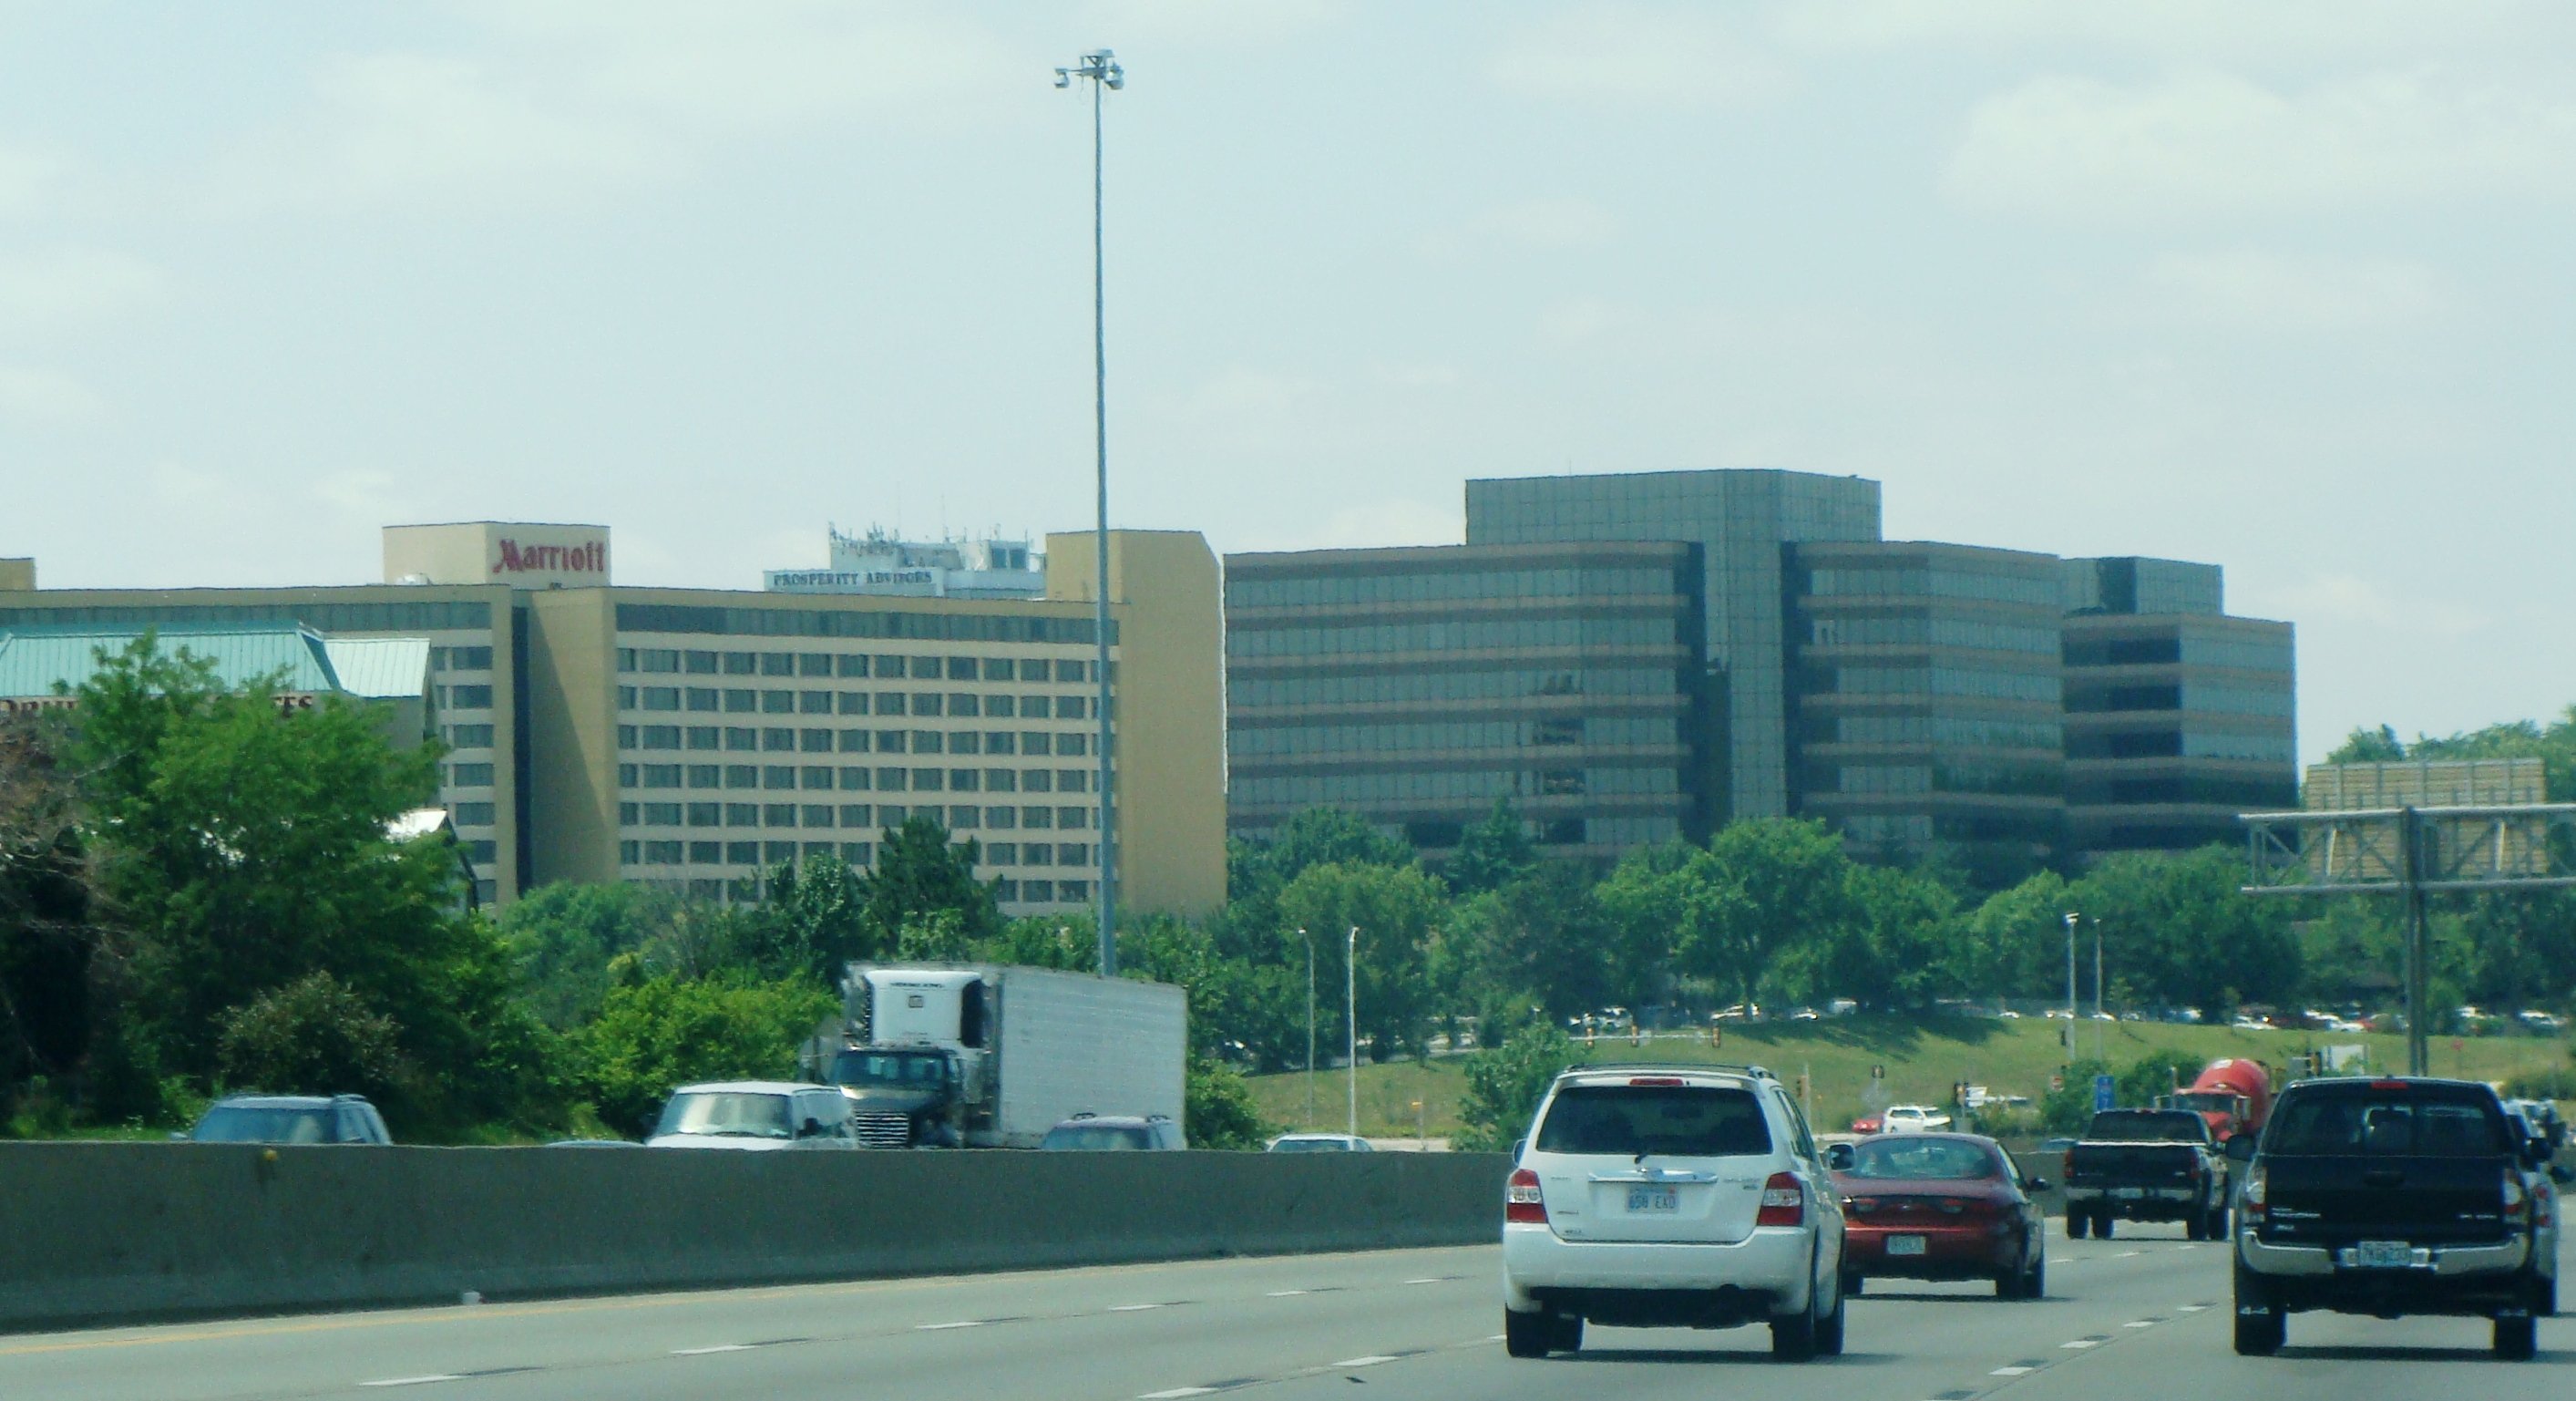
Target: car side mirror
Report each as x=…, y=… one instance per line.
x=2240, y=1149
x=1839, y=1157
x=1518, y=1148
x=2536, y=1151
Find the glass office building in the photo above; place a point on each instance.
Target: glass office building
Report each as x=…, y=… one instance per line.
x=1925, y=698
x=1740, y=520
x=2178, y=716
x=1416, y=686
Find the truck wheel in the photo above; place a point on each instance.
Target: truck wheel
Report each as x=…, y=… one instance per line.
x=2218, y=1220
x=2197, y=1227
x=2102, y=1224
x=2075, y=1224
x=2516, y=1339
x=2261, y=1327
x=1525, y=1334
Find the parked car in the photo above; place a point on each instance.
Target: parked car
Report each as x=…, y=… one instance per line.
x=1942, y=1206
x=257, y=1118
x=1320, y=1143
x=2388, y=1197
x=755, y=1116
x=1914, y=1118
x=1868, y=1123
x=1672, y=1197
x=1114, y=1133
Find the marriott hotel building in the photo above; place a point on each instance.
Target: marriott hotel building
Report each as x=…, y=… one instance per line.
x=690, y=737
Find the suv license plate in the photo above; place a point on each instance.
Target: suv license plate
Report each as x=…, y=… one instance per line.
x=2128, y=1194
x=1654, y=1199
x=1905, y=1245
x=2383, y=1254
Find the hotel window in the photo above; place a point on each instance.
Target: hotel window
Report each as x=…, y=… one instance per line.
x=814, y=776
x=778, y=815
x=742, y=776
x=706, y=775
x=1004, y=818
x=778, y=776
x=778, y=702
x=854, y=780
x=854, y=702
x=778, y=664
x=741, y=701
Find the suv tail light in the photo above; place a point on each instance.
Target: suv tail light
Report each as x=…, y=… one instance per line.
x=2250, y=1205
x=1784, y=1201
x=1521, y=1201
x=2517, y=1199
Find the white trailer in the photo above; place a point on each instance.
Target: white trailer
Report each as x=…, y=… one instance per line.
x=1031, y=1048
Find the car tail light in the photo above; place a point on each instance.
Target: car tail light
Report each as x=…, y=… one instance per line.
x=2066, y=1165
x=1521, y=1201
x=2517, y=1199
x=1661, y=1080
x=2250, y=1205
x=1784, y=1201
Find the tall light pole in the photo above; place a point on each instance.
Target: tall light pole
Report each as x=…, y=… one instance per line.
x=1310, y=1024
x=1101, y=67
x=1351, y=969
x=2071, y=917
x=2099, y=1030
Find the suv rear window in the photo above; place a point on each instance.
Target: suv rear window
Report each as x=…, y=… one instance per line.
x=1681, y=1121
x=2412, y=1121
x=2130, y=1126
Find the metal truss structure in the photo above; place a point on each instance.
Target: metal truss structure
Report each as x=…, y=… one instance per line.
x=2413, y=853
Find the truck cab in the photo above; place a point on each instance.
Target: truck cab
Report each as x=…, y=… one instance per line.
x=902, y=1096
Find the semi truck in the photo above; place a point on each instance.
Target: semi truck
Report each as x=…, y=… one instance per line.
x=957, y=1055
x=2232, y=1096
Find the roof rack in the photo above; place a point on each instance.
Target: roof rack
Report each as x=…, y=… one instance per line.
x=1757, y=1072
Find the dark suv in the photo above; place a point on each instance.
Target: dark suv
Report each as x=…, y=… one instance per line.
x=2387, y=1197
x=255, y=1118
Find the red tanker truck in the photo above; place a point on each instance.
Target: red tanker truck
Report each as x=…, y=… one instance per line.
x=2235, y=1096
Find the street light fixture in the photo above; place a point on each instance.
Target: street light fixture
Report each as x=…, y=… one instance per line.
x=2071, y=917
x=1101, y=68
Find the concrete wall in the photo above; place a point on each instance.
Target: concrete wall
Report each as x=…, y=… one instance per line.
x=98, y=1231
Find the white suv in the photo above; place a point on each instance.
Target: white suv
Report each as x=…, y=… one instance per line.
x=1913, y=1118
x=1681, y=1197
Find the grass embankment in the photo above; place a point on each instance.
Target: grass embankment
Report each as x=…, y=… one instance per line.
x=1922, y=1056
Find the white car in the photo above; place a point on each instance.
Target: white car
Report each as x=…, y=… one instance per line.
x=1320, y=1143
x=756, y=1116
x=1914, y=1118
x=1671, y=1197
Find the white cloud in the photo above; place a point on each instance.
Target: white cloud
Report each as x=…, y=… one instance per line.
x=2352, y=601
x=1550, y=223
x=1578, y=319
x=26, y=175
x=2250, y=290
x=73, y=284
x=2193, y=29
x=2209, y=144
x=43, y=396
x=1666, y=56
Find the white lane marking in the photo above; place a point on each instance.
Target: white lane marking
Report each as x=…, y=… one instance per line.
x=2123, y=1255
x=1369, y=1361
x=942, y=1327
x=2142, y=1323
x=1425, y=1281
x=2081, y=1343
x=704, y=1351
x=2011, y=1371
x=1495, y=1338
x=2191, y=1308
x=417, y=1381
x=1132, y=1308
x=1283, y=1293
x=1176, y=1393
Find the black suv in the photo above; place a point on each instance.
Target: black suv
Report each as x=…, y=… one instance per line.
x=257, y=1118
x=2387, y=1197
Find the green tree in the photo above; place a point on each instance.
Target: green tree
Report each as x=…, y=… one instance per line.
x=2068, y=1108
x=1395, y=909
x=1541, y=938
x=1219, y=1112
x=657, y=1034
x=920, y=871
x=2176, y=928
x=1887, y=953
x=314, y=1036
x=46, y=938
x=2013, y=944
x=1777, y=882
x=561, y=938
x=819, y=916
x=2156, y=1074
x=1504, y=1086
x=1493, y=853
x=1257, y=870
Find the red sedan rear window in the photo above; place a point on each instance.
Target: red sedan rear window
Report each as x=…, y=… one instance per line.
x=1945, y=1159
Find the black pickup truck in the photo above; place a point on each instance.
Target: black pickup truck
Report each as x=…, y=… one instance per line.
x=2146, y=1165
x=2388, y=1197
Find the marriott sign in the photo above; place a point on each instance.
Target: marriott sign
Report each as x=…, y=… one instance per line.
x=515, y=558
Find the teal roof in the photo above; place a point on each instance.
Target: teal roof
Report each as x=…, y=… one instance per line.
x=33, y=660
x=380, y=668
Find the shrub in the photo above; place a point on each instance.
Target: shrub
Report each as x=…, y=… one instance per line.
x=1504, y=1086
x=1220, y=1112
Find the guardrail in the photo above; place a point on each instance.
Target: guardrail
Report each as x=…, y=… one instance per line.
x=92, y=1232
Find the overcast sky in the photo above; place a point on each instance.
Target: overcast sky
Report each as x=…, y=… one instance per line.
x=2282, y=286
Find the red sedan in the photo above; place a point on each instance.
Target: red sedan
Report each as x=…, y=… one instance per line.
x=1939, y=1206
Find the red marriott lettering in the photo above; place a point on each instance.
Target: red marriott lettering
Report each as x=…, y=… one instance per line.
x=569, y=559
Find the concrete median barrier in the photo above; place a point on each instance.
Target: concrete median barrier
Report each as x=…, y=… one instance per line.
x=102, y=1231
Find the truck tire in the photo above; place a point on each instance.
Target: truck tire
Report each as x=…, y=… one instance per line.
x=2102, y=1224
x=2218, y=1220
x=1526, y=1334
x=2516, y=1338
x=2196, y=1227
x=2261, y=1327
x=2075, y=1224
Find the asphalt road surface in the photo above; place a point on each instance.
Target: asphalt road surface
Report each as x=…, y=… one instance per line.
x=2142, y=1316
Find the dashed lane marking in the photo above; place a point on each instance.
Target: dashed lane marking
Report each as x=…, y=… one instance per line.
x=2080, y=1344
x=943, y=1327
x=1177, y=1392
x=1369, y=1361
x=2192, y=1308
x=2016, y=1370
x=1283, y=1293
x=1435, y=1279
x=2143, y=1323
x=1133, y=1308
x=418, y=1381
x=706, y=1351
x=2126, y=1254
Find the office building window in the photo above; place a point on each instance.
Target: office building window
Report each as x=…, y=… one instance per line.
x=625, y=696
x=778, y=702
x=469, y=736
x=705, y=698
x=854, y=702
x=740, y=664
x=706, y=775
x=891, y=780
x=1072, y=671
x=661, y=775
x=741, y=701
x=1007, y=891
x=854, y=741
x=629, y=814
x=778, y=741
x=813, y=663
x=1001, y=742
x=1073, y=780
x=890, y=703
x=1001, y=854
x=1034, y=707
x=469, y=697
x=661, y=736
x=742, y=853
x=814, y=741
x=817, y=815
x=1035, y=742
x=661, y=814
x=965, y=780
x=1001, y=780
x=1073, y=817
x=928, y=780
x=706, y=814
x=966, y=742
x=1000, y=707
x=661, y=698
x=891, y=814
x=927, y=741
x=706, y=853
x=471, y=775
x=778, y=815
x=1038, y=781
x=997, y=668
x=779, y=853
x=742, y=776
x=660, y=659
x=778, y=664
x=890, y=741
x=961, y=818
x=822, y=851
x=698, y=663
x=962, y=703
x=1072, y=854
x=626, y=737
x=1072, y=891
x=742, y=814
x=1037, y=892
x=1004, y=817
x=705, y=737
x=473, y=814
x=630, y=853
x=1073, y=746
x=962, y=668
x=629, y=775
x=470, y=658
x=814, y=776
x=856, y=815
x=778, y=776
x=741, y=739
x=888, y=666
x=858, y=853
x=926, y=703
x=853, y=666
x=1037, y=817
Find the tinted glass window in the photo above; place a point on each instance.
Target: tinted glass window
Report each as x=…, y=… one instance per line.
x=1668, y=1120
x=2388, y=1123
x=1097, y=1138
x=255, y=1124
x=2147, y=1128
x=727, y=1115
x=1906, y=1156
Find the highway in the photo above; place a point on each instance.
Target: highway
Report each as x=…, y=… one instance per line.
x=2142, y=1316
